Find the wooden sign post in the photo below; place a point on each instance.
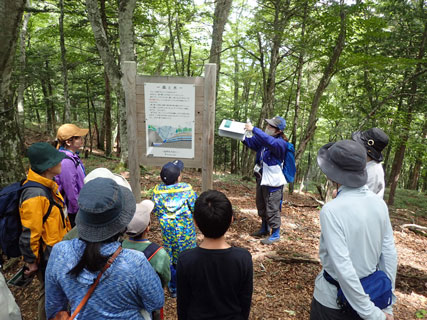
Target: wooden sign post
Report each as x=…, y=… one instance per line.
x=202, y=139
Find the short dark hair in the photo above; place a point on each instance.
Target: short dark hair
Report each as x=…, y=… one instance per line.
x=213, y=213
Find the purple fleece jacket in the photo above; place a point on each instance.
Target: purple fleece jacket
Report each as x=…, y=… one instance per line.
x=71, y=180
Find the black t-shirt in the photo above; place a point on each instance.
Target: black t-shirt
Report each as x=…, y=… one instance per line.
x=214, y=284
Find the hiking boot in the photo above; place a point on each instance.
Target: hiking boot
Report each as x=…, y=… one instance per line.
x=275, y=236
x=263, y=231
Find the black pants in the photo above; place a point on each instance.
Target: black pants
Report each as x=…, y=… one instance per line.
x=268, y=204
x=320, y=312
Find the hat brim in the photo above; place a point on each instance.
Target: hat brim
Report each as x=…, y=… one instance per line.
x=101, y=233
x=271, y=123
x=370, y=151
x=347, y=178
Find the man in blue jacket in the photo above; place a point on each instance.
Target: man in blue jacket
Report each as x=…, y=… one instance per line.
x=270, y=147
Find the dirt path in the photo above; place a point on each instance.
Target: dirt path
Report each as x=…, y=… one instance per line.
x=284, y=273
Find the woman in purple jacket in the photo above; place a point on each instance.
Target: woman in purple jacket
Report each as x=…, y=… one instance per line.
x=70, y=181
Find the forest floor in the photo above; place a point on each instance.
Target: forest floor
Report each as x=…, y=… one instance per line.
x=284, y=273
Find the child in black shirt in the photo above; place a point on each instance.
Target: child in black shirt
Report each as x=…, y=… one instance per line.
x=214, y=280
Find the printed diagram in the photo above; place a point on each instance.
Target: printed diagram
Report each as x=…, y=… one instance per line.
x=170, y=137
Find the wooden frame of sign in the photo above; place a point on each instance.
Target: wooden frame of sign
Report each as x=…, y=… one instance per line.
x=205, y=89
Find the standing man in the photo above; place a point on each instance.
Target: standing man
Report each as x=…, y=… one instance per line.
x=374, y=140
x=270, y=147
x=356, y=237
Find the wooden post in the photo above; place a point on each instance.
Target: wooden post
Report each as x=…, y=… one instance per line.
x=129, y=86
x=208, y=126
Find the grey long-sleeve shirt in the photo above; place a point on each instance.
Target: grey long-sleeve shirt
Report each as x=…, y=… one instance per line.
x=356, y=237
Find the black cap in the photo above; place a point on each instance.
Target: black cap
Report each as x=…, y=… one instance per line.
x=374, y=140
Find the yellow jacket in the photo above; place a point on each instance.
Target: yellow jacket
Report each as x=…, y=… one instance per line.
x=38, y=237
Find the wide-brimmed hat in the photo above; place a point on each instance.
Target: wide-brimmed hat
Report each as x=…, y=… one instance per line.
x=141, y=219
x=43, y=156
x=344, y=162
x=105, y=173
x=171, y=171
x=105, y=209
x=277, y=122
x=69, y=130
x=374, y=140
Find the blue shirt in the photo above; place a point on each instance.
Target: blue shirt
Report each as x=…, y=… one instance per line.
x=356, y=239
x=129, y=285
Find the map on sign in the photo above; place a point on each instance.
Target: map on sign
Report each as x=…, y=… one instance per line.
x=170, y=113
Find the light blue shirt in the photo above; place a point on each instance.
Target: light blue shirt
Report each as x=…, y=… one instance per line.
x=129, y=285
x=356, y=237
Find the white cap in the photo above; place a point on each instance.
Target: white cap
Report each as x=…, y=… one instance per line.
x=141, y=219
x=105, y=173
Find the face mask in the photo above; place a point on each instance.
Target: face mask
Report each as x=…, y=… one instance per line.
x=270, y=132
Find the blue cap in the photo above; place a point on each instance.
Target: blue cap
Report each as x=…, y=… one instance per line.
x=277, y=122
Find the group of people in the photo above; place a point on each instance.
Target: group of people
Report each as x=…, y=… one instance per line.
x=87, y=270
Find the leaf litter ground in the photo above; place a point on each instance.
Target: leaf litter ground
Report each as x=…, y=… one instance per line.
x=284, y=273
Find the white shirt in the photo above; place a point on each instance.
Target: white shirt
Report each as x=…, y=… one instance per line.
x=375, y=178
x=356, y=236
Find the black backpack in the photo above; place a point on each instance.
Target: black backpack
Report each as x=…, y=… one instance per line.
x=151, y=250
x=10, y=220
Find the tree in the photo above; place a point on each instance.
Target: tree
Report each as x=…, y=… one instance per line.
x=126, y=9
x=11, y=167
x=327, y=75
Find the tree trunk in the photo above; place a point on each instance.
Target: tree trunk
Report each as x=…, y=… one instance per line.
x=234, y=143
x=299, y=78
x=67, y=105
x=22, y=66
x=416, y=173
x=107, y=118
x=400, y=153
x=323, y=84
x=11, y=168
x=282, y=15
x=95, y=121
x=222, y=11
x=126, y=35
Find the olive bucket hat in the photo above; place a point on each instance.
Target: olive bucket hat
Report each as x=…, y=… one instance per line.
x=43, y=156
x=344, y=162
x=105, y=209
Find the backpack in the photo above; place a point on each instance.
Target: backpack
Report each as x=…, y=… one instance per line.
x=151, y=250
x=10, y=219
x=288, y=166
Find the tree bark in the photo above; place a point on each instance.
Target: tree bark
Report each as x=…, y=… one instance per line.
x=282, y=14
x=11, y=168
x=126, y=9
x=222, y=11
x=323, y=84
x=400, y=153
x=67, y=105
x=22, y=66
x=416, y=173
x=126, y=35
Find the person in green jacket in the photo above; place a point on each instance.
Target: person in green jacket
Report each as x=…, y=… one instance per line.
x=138, y=230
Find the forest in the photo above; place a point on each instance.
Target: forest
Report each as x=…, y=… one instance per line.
x=328, y=67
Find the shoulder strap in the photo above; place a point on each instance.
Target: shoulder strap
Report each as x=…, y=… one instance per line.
x=76, y=163
x=95, y=283
x=151, y=250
